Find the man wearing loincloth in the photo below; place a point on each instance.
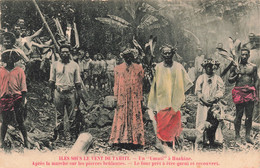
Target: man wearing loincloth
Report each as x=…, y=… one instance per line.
x=244, y=93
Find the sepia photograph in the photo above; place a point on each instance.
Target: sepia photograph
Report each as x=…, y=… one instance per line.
x=129, y=83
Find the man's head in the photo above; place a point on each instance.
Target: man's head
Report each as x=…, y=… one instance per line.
x=191, y=63
x=199, y=51
x=251, y=37
x=220, y=45
x=65, y=53
x=109, y=56
x=128, y=56
x=209, y=65
x=21, y=22
x=87, y=55
x=8, y=40
x=99, y=56
x=245, y=54
x=95, y=57
x=17, y=31
x=81, y=54
x=167, y=53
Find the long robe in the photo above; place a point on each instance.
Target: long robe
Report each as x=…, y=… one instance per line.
x=208, y=90
x=169, y=87
x=128, y=124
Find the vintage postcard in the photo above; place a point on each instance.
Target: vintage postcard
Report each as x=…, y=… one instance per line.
x=129, y=83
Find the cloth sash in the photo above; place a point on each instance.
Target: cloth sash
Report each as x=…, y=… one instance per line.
x=7, y=103
x=244, y=94
x=168, y=124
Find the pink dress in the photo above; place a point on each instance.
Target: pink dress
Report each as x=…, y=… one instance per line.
x=128, y=124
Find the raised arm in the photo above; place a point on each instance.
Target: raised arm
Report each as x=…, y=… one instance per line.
x=37, y=33
x=233, y=74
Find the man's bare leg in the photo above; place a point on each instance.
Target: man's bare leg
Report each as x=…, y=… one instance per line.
x=237, y=123
x=249, y=108
x=158, y=144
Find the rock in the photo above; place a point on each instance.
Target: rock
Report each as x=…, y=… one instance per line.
x=190, y=125
x=109, y=102
x=104, y=111
x=103, y=121
x=184, y=119
x=111, y=114
x=191, y=119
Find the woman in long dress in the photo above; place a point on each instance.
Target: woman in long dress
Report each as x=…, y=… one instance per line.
x=128, y=127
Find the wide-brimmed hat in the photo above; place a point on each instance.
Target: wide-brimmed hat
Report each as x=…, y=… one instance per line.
x=10, y=53
x=210, y=62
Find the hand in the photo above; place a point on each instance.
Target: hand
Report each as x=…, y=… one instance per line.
x=234, y=63
x=207, y=125
x=205, y=103
x=214, y=100
x=23, y=104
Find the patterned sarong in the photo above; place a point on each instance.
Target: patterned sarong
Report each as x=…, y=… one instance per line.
x=244, y=94
x=7, y=103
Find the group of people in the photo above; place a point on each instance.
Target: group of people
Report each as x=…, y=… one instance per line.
x=167, y=94
x=169, y=84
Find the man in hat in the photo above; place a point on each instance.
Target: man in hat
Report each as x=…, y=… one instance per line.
x=65, y=81
x=198, y=61
x=128, y=127
x=252, y=43
x=166, y=96
x=12, y=94
x=9, y=43
x=244, y=93
x=210, y=89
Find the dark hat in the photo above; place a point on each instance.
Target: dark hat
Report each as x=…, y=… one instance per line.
x=14, y=54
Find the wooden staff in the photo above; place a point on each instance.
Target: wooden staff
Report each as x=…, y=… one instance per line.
x=47, y=26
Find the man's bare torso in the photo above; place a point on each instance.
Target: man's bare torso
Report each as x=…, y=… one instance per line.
x=246, y=76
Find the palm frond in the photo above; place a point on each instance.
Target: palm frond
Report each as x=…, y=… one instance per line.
x=145, y=7
x=111, y=23
x=146, y=21
x=130, y=7
x=119, y=19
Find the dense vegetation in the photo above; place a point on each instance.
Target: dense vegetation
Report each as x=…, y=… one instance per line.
x=108, y=25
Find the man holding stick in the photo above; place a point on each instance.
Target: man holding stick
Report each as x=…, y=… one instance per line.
x=244, y=93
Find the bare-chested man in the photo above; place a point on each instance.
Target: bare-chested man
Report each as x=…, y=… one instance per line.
x=244, y=93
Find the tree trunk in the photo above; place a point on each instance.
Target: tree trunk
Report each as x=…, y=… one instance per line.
x=82, y=144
